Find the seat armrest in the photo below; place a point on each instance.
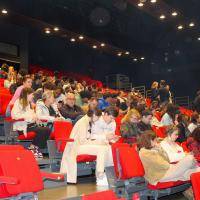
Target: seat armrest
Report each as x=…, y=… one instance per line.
x=51, y=176
x=8, y=180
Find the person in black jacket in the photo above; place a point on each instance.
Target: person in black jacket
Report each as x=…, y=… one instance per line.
x=163, y=92
x=145, y=123
x=69, y=110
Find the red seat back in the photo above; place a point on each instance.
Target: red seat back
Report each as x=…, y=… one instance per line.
x=11, y=147
x=195, y=179
x=62, y=131
x=160, y=131
x=22, y=165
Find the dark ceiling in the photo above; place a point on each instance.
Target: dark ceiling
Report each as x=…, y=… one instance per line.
x=123, y=24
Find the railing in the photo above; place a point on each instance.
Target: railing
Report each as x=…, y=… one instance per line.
x=140, y=89
x=183, y=101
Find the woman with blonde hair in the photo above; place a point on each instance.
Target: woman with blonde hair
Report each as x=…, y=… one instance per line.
x=129, y=129
x=154, y=91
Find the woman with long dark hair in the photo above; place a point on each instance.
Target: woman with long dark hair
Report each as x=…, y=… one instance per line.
x=22, y=109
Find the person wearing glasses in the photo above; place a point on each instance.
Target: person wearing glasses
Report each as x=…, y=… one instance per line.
x=70, y=110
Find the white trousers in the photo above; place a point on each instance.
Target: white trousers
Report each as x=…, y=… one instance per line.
x=182, y=170
x=102, y=152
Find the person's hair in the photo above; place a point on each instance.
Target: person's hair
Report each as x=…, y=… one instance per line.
x=196, y=134
x=93, y=99
x=111, y=110
x=107, y=95
x=154, y=85
x=46, y=95
x=26, y=77
x=85, y=94
x=23, y=97
x=163, y=83
x=144, y=140
x=96, y=112
x=128, y=116
x=171, y=129
x=146, y=113
x=123, y=106
x=194, y=118
x=23, y=72
x=171, y=110
x=49, y=86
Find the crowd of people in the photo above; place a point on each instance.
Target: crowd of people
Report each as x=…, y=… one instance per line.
x=94, y=113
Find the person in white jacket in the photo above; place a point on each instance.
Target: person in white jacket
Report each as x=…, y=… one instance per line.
x=46, y=108
x=174, y=151
x=86, y=143
x=23, y=110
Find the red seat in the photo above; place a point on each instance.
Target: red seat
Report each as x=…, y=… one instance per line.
x=109, y=195
x=30, y=136
x=85, y=158
x=165, y=185
x=17, y=169
x=160, y=131
x=195, y=179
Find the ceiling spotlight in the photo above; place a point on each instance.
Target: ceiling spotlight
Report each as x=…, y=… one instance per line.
x=142, y=58
x=102, y=45
x=162, y=17
x=47, y=31
x=180, y=27
x=4, y=11
x=140, y=4
x=191, y=24
x=72, y=40
x=56, y=29
x=127, y=52
x=174, y=13
x=81, y=37
x=119, y=54
x=135, y=59
x=94, y=46
x=153, y=1
x=198, y=38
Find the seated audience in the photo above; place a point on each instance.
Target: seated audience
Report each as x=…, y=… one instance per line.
x=22, y=109
x=157, y=165
x=69, y=110
x=129, y=128
x=168, y=118
x=145, y=123
x=194, y=122
x=105, y=101
x=193, y=143
x=46, y=108
x=174, y=151
x=85, y=143
x=91, y=105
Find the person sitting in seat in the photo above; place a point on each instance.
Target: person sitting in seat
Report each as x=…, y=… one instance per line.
x=69, y=110
x=194, y=122
x=145, y=123
x=174, y=151
x=85, y=143
x=105, y=101
x=193, y=143
x=46, y=108
x=157, y=165
x=129, y=129
x=23, y=110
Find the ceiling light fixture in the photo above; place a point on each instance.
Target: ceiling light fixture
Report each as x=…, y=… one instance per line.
x=127, y=52
x=4, y=11
x=162, y=17
x=119, y=54
x=56, y=29
x=142, y=58
x=135, y=59
x=180, y=27
x=94, y=46
x=140, y=4
x=102, y=45
x=72, y=40
x=81, y=37
x=174, y=13
x=198, y=38
x=153, y=1
x=191, y=24
x=47, y=31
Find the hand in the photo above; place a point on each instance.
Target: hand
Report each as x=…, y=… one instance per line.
x=59, y=119
x=112, y=137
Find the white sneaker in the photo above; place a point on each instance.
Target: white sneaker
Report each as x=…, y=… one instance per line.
x=102, y=181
